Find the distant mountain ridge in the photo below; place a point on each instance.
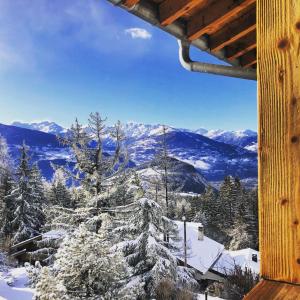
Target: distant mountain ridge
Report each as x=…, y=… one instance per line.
x=213, y=158
x=243, y=138
x=44, y=126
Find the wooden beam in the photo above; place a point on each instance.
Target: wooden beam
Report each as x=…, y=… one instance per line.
x=171, y=10
x=16, y=254
x=271, y=290
x=249, y=59
x=130, y=3
x=211, y=18
x=234, y=31
x=278, y=41
x=21, y=244
x=241, y=46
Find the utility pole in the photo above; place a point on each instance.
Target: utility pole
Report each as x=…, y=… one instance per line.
x=184, y=233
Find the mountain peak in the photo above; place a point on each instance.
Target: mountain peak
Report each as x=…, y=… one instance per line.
x=44, y=126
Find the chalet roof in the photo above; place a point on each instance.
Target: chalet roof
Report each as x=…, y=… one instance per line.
x=201, y=255
x=242, y=258
x=207, y=254
x=223, y=28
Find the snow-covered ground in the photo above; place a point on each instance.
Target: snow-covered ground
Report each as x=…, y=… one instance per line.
x=13, y=285
x=17, y=288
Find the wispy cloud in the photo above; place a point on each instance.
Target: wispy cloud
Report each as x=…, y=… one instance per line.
x=138, y=33
x=34, y=32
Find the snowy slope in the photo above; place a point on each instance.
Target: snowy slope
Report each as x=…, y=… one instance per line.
x=17, y=290
x=214, y=159
x=185, y=178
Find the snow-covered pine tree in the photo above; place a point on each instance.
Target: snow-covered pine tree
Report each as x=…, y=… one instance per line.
x=93, y=165
x=238, y=198
x=239, y=236
x=28, y=214
x=49, y=287
x=136, y=182
x=38, y=189
x=211, y=215
x=251, y=217
x=226, y=202
x=58, y=193
x=6, y=182
x=144, y=247
x=86, y=268
x=120, y=193
x=163, y=163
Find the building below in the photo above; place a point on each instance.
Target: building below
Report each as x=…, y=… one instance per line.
x=210, y=259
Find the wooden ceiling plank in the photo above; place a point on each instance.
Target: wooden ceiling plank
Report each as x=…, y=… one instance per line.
x=233, y=32
x=241, y=47
x=248, y=59
x=171, y=10
x=211, y=18
x=130, y=3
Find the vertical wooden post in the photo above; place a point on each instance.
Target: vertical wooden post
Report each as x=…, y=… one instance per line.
x=278, y=50
x=278, y=32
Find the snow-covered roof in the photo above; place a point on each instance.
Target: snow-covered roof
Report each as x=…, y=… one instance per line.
x=242, y=258
x=201, y=254
x=54, y=234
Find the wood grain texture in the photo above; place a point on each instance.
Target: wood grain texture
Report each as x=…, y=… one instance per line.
x=233, y=31
x=130, y=3
x=242, y=46
x=278, y=46
x=213, y=17
x=171, y=10
x=271, y=290
x=248, y=59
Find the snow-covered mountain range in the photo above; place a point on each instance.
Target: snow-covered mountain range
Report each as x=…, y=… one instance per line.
x=214, y=154
x=243, y=138
x=44, y=126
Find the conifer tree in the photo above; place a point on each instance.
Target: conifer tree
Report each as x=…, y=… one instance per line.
x=6, y=182
x=49, y=287
x=238, y=198
x=28, y=214
x=164, y=163
x=251, y=217
x=227, y=202
x=144, y=248
x=93, y=165
x=120, y=192
x=58, y=193
x=86, y=268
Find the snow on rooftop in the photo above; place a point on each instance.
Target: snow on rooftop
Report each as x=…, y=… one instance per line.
x=201, y=254
x=242, y=258
x=54, y=234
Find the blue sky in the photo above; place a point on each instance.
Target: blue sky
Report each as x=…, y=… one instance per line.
x=65, y=58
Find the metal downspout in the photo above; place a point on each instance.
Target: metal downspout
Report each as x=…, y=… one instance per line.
x=230, y=71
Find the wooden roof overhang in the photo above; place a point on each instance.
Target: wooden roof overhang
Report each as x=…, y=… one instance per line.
x=225, y=29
